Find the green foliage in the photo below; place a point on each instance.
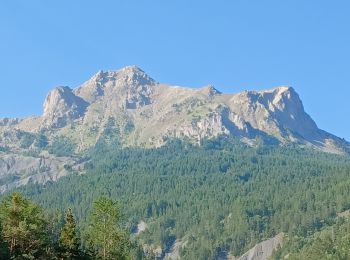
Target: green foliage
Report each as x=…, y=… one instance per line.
x=69, y=240
x=332, y=242
x=26, y=139
x=110, y=137
x=41, y=141
x=8, y=178
x=105, y=235
x=27, y=232
x=219, y=196
x=23, y=227
x=111, y=129
x=4, y=149
x=62, y=146
x=129, y=127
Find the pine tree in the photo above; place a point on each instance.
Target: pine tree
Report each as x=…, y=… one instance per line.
x=69, y=241
x=105, y=235
x=23, y=227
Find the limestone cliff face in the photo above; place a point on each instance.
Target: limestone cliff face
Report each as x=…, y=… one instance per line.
x=130, y=87
x=62, y=107
x=17, y=170
x=145, y=113
x=129, y=105
x=278, y=112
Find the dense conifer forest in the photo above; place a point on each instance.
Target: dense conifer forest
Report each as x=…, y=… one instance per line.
x=219, y=196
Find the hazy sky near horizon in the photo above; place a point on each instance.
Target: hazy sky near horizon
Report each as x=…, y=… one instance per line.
x=234, y=45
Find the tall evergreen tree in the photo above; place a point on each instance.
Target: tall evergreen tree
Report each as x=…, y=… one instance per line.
x=24, y=227
x=105, y=235
x=69, y=240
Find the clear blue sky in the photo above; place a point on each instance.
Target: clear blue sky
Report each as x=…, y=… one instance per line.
x=233, y=44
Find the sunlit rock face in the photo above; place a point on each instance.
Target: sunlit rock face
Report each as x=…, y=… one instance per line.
x=143, y=112
x=62, y=107
x=129, y=106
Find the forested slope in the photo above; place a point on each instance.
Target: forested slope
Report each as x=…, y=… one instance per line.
x=332, y=242
x=220, y=197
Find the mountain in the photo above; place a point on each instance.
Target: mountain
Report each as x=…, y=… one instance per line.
x=129, y=107
x=147, y=113
x=213, y=175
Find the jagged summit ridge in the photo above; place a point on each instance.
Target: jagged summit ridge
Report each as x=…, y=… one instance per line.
x=210, y=91
x=130, y=75
x=129, y=107
x=144, y=112
x=109, y=81
x=278, y=112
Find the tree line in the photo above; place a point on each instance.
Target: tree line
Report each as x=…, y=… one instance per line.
x=222, y=196
x=28, y=232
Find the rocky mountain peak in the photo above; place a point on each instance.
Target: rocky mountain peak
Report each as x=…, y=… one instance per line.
x=210, y=91
x=62, y=106
x=278, y=112
x=288, y=110
x=283, y=89
x=279, y=98
x=133, y=75
x=99, y=76
x=148, y=113
x=286, y=95
x=130, y=75
x=127, y=79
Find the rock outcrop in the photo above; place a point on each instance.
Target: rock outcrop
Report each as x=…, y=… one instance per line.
x=278, y=112
x=129, y=105
x=140, y=227
x=143, y=112
x=130, y=87
x=18, y=170
x=264, y=250
x=175, y=250
x=146, y=113
x=62, y=107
